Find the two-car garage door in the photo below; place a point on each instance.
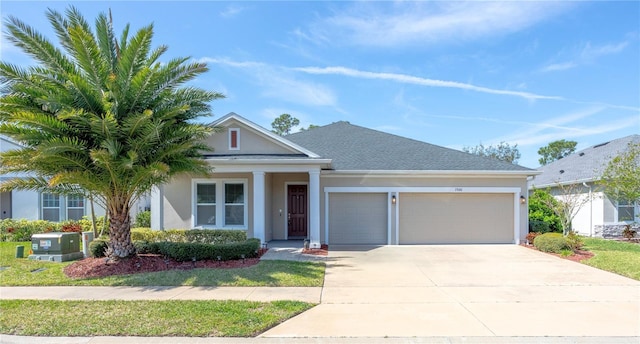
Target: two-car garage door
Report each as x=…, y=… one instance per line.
x=422, y=218
x=435, y=218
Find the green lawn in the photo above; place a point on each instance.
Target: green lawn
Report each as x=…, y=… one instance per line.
x=201, y=318
x=619, y=257
x=24, y=272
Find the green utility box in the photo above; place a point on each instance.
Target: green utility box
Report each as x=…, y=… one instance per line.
x=56, y=246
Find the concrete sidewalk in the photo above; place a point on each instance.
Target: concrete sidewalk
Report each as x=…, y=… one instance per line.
x=266, y=294
x=8, y=339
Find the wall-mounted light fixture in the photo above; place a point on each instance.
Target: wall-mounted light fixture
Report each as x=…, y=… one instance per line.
x=393, y=199
x=523, y=200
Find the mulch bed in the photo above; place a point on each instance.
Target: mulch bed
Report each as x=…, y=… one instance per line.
x=577, y=256
x=102, y=267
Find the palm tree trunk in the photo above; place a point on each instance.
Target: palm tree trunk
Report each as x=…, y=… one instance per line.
x=120, y=233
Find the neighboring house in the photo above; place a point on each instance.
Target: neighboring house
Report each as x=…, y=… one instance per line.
x=32, y=205
x=345, y=184
x=599, y=216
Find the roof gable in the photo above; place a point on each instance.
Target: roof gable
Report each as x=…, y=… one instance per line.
x=252, y=139
x=352, y=147
x=583, y=166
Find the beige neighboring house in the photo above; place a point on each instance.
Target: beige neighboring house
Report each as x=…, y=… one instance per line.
x=345, y=184
x=599, y=216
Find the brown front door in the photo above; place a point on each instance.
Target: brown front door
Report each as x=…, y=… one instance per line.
x=297, y=211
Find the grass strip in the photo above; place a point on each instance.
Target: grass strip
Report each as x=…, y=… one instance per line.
x=144, y=318
x=24, y=272
x=619, y=257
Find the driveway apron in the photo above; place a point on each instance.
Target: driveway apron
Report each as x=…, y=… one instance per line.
x=465, y=290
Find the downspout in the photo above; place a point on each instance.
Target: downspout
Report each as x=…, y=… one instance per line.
x=590, y=210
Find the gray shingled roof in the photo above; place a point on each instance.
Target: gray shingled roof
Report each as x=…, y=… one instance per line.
x=583, y=166
x=356, y=148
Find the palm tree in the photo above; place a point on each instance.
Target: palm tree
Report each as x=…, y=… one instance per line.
x=100, y=115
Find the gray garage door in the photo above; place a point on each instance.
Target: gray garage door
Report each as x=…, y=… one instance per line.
x=358, y=218
x=434, y=218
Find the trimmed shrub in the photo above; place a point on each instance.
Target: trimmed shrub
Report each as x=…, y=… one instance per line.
x=205, y=236
x=539, y=226
x=98, y=247
x=145, y=247
x=532, y=236
x=551, y=242
x=181, y=251
x=574, y=241
x=143, y=219
x=22, y=230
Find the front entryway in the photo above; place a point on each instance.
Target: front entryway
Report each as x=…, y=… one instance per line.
x=297, y=211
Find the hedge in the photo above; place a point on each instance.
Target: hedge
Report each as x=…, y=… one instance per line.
x=22, y=230
x=551, y=242
x=205, y=236
x=186, y=251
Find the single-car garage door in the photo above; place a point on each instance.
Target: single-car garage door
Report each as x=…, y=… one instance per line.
x=358, y=218
x=443, y=218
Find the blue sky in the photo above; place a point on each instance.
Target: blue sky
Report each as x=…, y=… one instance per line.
x=449, y=73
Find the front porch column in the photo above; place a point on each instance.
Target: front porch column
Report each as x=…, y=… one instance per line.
x=258, y=206
x=157, y=208
x=314, y=209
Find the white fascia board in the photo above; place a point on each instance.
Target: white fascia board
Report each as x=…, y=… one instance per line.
x=569, y=182
x=236, y=168
x=422, y=189
x=277, y=138
x=242, y=161
x=430, y=173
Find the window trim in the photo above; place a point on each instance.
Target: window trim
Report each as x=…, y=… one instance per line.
x=634, y=205
x=237, y=139
x=220, y=202
x=63, y=206
x=67, y=207
x=42, y=207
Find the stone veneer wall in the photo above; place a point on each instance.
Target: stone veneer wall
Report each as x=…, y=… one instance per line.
x=613, y=230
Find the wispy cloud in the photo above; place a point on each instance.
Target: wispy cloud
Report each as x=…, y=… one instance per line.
x=415, y=80
x=280, y=83
x=231, y=11
x=408, y=23
x=568, y=126
x=585, y=54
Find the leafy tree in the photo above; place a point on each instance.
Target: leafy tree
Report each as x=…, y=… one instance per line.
x=621, y=177
x=311, y=126
x=503, y=151
x=541, y=205
x=100, y=115
x=556, y=150
x=283, y=124
x=565, y=203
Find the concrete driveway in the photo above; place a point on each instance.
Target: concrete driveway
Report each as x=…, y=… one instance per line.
x=465, y=290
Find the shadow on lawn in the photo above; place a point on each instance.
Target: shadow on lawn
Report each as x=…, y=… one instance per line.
x=266, y=273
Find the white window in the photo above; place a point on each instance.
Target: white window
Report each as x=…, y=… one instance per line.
x=205, y=205
x=233, y=204
x=60, y=208
x=234, y=139
x=50, y=207
x=626, y=211
x=75, y=207
x=220, y=203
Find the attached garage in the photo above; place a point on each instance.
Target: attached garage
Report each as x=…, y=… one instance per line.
x=452, y=218
x=358, y=218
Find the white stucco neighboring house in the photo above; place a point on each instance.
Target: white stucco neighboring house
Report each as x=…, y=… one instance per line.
x=599, y=216
x=346, y=184
x=32, y=205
